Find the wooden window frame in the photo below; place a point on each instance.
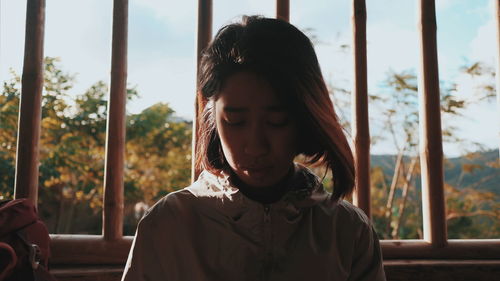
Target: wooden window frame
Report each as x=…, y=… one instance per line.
x=112, y=247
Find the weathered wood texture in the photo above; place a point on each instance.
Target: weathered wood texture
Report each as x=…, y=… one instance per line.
x=204, y=36
x=283, y=10
x=442, y=270
x=431, y=147
x=454, y=249
x=408, y=270
x=94, y=250
x=88, y=250
x=88, y=273
x=115, y=136
x=30, y=111
x=360, y=123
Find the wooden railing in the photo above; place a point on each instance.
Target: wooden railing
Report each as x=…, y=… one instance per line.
x=112, y=248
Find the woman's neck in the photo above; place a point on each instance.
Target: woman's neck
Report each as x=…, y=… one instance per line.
x=264, y=195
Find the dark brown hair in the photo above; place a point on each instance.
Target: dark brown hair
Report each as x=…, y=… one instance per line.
x=284, y=57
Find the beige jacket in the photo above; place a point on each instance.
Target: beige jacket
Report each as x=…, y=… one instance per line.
x=211, y=231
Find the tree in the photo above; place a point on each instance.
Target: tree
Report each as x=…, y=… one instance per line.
x=9, y=104
x=401, y=115
x=158, y=151
x=396, y=196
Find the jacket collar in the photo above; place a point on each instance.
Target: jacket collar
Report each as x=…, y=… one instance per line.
x=305, y=189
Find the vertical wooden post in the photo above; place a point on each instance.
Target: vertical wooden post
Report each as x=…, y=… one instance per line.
x=204, y=35
x=431, y=147
x=360, y=123
x=283, y=10
x=497, y=18
x=30, y=109
x=115, y=136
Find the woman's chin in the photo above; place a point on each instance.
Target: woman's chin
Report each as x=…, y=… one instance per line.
x=259, y=178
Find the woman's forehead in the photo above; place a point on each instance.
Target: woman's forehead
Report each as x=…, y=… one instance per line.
x=247, y=90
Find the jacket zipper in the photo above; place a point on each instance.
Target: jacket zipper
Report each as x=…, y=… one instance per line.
x=268, y=255
x=267, y=215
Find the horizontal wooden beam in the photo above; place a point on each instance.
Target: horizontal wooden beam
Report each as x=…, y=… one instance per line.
x=408, y=270
x=93, y=249
x=88, y=273
x=88, y=249
x=442, y=270
x=455, y=249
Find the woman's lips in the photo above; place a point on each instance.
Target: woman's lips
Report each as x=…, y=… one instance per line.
x=257, y=171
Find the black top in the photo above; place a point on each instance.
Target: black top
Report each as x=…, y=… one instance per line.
x=264, y=194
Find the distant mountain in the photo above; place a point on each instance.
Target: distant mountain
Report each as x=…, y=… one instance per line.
x=471, y=171
x=178, y=119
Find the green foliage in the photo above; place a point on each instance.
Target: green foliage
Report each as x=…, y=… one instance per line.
x=9, y=104
x=158, y=151
x=470, y=184
x=471, y=192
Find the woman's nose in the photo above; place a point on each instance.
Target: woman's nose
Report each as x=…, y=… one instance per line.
x=257, y=143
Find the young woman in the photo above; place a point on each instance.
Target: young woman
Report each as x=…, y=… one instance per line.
x=254, y=214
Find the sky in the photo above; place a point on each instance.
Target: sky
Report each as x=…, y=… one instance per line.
x=161, y=48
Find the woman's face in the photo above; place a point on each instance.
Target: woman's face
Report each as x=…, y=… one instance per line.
x=258, y=136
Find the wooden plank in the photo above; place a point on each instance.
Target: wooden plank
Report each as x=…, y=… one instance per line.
x=455, y=249
x=115, y=137
x=430, y=270
x=442, y=270
x=88, y=249
x=409, y=270
x=94, y=250
x=88, y=273
x=204, y=36
x=431, y=147
x=283, y=10
x=30, y=110
x=360, y=123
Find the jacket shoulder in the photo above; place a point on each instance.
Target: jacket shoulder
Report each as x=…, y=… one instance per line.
x=354, y=213
x=168, y=207
x=346, y=215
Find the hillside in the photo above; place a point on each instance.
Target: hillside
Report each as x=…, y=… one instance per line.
x=472, y=171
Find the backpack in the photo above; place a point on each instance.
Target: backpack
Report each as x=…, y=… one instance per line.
x=24, y=243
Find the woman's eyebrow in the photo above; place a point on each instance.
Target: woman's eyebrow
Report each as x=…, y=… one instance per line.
x=234, y=109
x=275, y=108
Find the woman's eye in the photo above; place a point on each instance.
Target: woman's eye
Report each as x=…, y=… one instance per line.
x=278, y=123
x=234, y=122
x=278, y=120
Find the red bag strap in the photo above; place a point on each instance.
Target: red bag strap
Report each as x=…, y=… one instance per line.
x=12, y=261
x=16, y=214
